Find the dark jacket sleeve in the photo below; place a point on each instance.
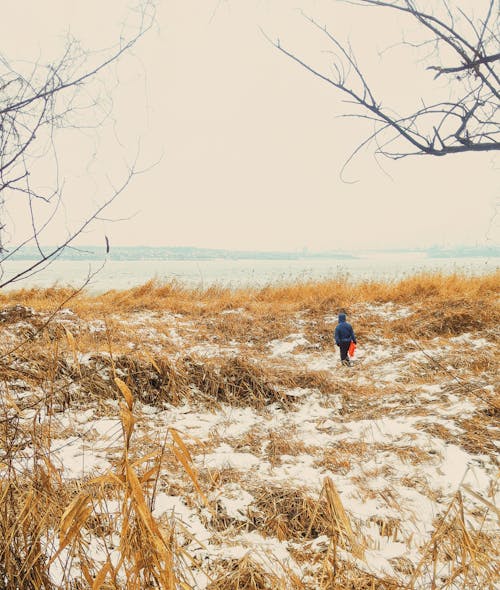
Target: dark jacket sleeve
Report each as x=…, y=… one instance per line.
x=353, y=336
x=337, y=342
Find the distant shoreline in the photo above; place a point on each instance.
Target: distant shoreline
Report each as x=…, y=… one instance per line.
x=167, y=254
x=238, y=273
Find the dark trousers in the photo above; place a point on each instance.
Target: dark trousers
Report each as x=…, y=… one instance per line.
x=344, y=347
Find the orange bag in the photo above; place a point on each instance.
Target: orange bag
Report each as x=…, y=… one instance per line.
x=352, y=349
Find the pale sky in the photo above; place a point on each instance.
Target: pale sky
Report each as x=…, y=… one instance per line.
x=251, y=145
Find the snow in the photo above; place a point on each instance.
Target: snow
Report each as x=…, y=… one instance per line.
x=472, y=340
x=211, y=350
x=286, y=346
x=75, y=459
x=387, y=311
x=295, y=471
x=379, y=479
x=235, y=501
x=96, y=326
x=266, y=552
x=175, y=337
x=224, y=457
x=237, y=311
x=380, y=430
x=174, y=506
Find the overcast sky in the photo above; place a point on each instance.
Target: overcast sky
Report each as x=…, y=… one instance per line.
x=250, y=145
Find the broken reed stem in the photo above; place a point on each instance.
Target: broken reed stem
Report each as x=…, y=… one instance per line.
x=339, y=516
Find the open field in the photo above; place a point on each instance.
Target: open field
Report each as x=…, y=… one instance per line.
x=164, y=437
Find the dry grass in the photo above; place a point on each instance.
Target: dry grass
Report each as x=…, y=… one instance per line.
x=477, y=435
x=466, y=557
x=480, y=295
x=48, y=522
x=292, y=514
x=284, y=442
x=450, y=316
x=245, y=574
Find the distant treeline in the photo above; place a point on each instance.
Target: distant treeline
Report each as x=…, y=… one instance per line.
x=464, y=252
x=169, y=253
x=190, y=253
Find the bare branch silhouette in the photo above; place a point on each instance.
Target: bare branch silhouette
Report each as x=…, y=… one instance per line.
x=468, y=122
x=36, y=102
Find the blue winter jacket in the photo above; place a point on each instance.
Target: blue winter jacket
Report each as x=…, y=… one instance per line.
x=344, y=331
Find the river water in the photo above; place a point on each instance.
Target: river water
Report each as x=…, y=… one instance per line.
x=235, y=273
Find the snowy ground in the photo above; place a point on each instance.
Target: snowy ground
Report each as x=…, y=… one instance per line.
x=399, y=434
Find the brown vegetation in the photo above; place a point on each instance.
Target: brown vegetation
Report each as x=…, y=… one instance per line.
x=170, y=347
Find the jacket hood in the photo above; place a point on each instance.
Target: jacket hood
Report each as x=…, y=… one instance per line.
x=342, y=317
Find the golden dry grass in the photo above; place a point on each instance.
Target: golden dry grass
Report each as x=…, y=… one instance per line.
x=44, y=519
x=244, y=574
x=47, y=523
x=315, y=297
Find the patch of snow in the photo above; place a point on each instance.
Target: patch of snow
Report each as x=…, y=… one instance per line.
x=84, y=358
x=431, y=390
x=96, y=326
x=107, y=427
x=266, y=552
x=471, y=339
x=139, y=318
x=287, y=345
x=381, y=430
x=141, y=408
x=75, y=459
x=237, y=421
x=388, y=311
x=299, y=391
x=175, y=337
x=238, y=310
x=225, y=457
x=326, y=362
x=193, y=423
x=457, y=406
x=165, y=505
x=378, y=352
x=211, y=350
x=296, y=471
x=235, y=501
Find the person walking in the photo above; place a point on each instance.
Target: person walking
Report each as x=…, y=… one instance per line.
x=344, y=335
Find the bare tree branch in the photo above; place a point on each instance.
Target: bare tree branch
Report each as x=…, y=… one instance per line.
x=467, y=123
x=36, y=101
x=466, y=66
